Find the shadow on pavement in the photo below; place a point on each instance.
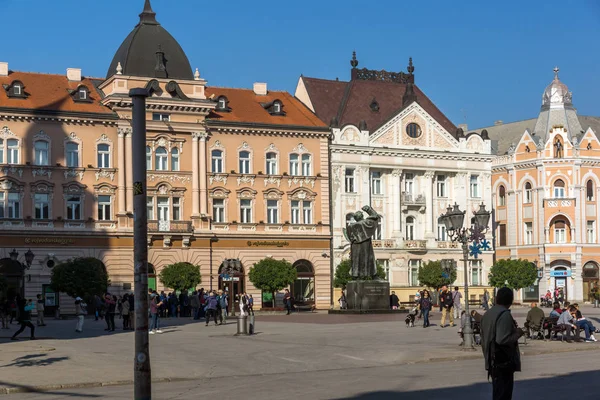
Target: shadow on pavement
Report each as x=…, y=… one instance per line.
x=31, y=389
x=34, y=360
x=586, y=384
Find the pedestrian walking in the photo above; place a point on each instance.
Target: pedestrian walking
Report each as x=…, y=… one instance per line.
x=120, y=306
x=125, y=312
x=425, y=305
x=342, y=301
x=222, y=307
x=457, y=302
x=250, y=304
x=499, y=343
x=39, y=306
x=155, y=304
x=485, y=301
x=80, y=312
x=446, y=303
x=211, y=308
x=24, y=317
x=98, y=307
x=195, y=304
x=111, y=308
x=287, y=301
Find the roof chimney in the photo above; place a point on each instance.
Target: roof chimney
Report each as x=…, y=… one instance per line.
x=74, y=74
x=499, y=122
x=260, y=88
x=3, y=69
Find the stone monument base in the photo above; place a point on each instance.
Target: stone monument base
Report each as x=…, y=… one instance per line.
x=368, y=295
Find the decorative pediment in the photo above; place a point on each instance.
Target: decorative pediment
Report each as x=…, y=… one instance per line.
x=41, y=135
x=246, y=193
x=10, y=184
x=219, y=193
x=74, y=188
x=42, y=187
x=273, y=194
x=103, y=139
x=244, y=146
x=72, y=137
x=302, y=194
x=105, y=188
x=300, y=149
x=217, y=145
x=5, y=132
x=272, y=147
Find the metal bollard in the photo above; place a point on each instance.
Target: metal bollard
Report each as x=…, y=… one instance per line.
x=252, y=326
x=242, y=326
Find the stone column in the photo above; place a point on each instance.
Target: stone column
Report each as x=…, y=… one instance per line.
x=429, y=204
x=195, y=172
x=203, y=184
x=121, y=169
x=129, y=171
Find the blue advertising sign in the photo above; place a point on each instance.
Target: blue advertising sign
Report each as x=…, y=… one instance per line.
x=560, y=274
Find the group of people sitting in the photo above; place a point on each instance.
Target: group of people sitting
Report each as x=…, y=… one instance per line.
x=567, y=318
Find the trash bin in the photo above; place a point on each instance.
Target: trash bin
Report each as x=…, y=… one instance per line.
x=251, y=325
x=242, y=326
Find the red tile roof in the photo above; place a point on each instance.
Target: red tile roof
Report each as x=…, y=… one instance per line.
x=350, y=102
x=247, y=107
x=47, y=92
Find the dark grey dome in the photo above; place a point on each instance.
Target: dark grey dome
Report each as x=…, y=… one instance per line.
x=151, y=51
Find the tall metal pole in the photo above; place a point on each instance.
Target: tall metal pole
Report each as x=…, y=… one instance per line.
x=141, y=372
x=468, y=329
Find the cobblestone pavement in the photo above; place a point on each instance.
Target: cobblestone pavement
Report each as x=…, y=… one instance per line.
x=285, y=346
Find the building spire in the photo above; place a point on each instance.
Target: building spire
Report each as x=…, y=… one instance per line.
x=354, y=61
x=556, y=69
x=148, y=16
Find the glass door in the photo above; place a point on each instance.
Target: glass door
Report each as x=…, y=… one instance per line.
x=163, y=214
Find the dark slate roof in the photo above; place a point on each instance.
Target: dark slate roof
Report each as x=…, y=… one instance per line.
x=506, y=134
x=137, y=53
x=350, y=102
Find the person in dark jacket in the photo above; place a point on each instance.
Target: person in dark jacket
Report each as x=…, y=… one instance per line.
x=211, y=308
x=24, y=309
x=111, y=309
x=499, y=343
x=535, y=319
x=447, y=303
x=425, y=305
x=394, y=301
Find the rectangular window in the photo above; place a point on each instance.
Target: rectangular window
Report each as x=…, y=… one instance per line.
x=217, y=161
x=295, y=212
x=591, y=234
x=40, y=149
x=219, y=210
x=103, y=156
x=272, y=212
x=528, y=233
x=104, y=208
x=306, y=165
x=441, y=186
x=409, y=184
x=72, y=155
x=559, y=192
x=528, y=196
x=74, y=207
x=294, y=164
x=42, y=206
x=271, y=163
x=502, y=234
x=414, y=271
x=376, y=182
x=174, y=159
x=560, y=232
x=14, y=205
x=245, y=211
x=441, y=231
x=162, y=208
x=150, y=208
x=476, y=272
x=176, y=209
x=244, y=162
x=161, y=117
x=1, y=151
x=349, y=180
x=474, y=186
x=307, y=212
x=13, y=151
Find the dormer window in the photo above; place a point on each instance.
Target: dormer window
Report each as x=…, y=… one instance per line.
x=374, y=105
x=81, y=94
x=18, y=89
x=223, y=104
x=15, y=89
x=274, y=108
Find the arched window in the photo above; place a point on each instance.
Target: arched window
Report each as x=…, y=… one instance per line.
x=41, y=152
x=559, y=189
x=501, y=196
x=160, y=159
x=294, y=164
x=72, y=155
x=528, y=193
x=410, y=228
x=174, y=159
x=148, y=158
x=560, y=231
x=589, y=190
x=271, y=163
x=103, y=156
x=306, y=165
x=244, y=162
x=217, y=161
x=303, y=288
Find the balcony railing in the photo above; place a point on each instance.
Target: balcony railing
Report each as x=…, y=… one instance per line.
x=170, y=226
x=410, y=198
x=447, y=245
x=559, y=202
x=415, y=244
x=384, y=244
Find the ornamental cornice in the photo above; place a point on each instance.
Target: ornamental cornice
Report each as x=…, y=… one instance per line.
x=424, y=154
x=271, y=132
x=173, y=178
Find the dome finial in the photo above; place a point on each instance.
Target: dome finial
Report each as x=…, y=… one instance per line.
x=354, y=61
x=148, y=16
x=556, y=69
x=197, y=75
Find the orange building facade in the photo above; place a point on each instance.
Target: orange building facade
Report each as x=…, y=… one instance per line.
x=546, y=198
x=234, y=175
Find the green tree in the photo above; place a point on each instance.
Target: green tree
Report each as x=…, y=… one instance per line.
x=433, y=275
x=270, y=275
x=84, y=277
x=180, y=276
x=3, y=284
x=514, y=274
x=342, y=274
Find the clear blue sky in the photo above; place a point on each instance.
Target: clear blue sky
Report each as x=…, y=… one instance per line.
x=478, y=60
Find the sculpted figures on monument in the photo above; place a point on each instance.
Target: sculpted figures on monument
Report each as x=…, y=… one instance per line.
x=359, y=232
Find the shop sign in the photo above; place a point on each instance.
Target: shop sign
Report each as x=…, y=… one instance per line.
x=560, y=274
x=50, y=241
x=268, y=243
x=561, y=283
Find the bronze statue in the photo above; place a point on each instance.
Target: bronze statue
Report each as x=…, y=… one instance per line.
x=359, y=232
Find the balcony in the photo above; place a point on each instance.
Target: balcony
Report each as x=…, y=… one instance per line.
x=413, y=199
x=384, y=244
x=415, y=244
x=559, y=202
x=170, y=226
x=447, y=245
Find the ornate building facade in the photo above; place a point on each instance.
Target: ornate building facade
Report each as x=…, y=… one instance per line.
x=395, y=150
x=546, y=188
x=234, y=175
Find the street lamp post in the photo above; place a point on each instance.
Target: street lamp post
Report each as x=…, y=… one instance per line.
x=453, y=220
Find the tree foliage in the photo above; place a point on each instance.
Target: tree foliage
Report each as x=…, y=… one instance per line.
x=180, y=276
x=3, y=284
x=342, y=274
x=514, y=274
x=433, y=275
x=270, y=275
x=84, y=277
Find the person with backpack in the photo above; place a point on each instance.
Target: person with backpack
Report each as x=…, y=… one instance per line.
x=80, y=312
x=212, y=304
x=499, y=343
x=24, y=317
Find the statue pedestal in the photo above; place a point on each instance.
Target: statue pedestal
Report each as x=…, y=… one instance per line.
x=368, y=295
